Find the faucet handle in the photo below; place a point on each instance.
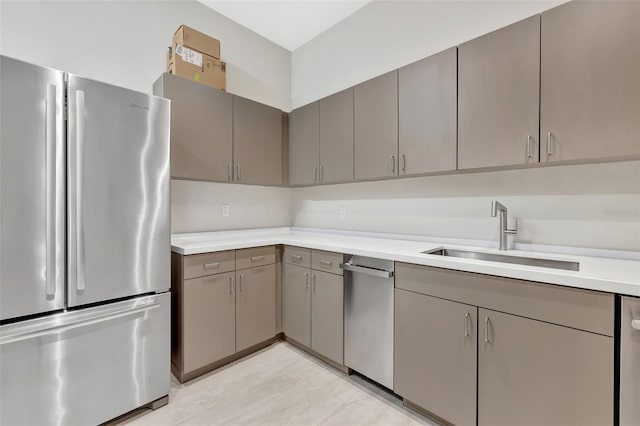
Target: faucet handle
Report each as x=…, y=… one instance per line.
x=513, y=231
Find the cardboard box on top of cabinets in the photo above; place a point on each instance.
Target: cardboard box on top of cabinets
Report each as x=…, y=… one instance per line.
x=196, y=66
x=195, y=40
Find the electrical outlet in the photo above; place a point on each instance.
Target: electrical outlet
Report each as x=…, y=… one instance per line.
x=343, y=212
x=225, y=210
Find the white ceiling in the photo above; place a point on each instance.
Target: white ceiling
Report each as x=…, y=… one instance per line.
x=288, y=23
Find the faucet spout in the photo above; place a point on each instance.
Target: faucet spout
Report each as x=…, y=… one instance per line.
x=504, y=230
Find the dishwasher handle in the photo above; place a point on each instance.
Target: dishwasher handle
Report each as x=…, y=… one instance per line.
x=383, y=273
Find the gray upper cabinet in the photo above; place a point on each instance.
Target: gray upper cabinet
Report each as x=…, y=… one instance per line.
x=498, y=97
x=376, y=127
x=336, y=137
x=590, y=83
x=304, y=142
x=201, y=129
x=427, y=102
x=257, y=142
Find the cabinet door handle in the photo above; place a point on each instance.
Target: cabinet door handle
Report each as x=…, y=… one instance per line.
x=321, y=173
x=466, y=324
x=486, y=330
x=229, y=171
x=306, y=280
x=549, y=144
x=326, y=263
x=404, y=164
x=296, y=258
x=529, y=146
x=315, y=174
x=241, y=283
x=635, y=324
x=257, y=258
x=313, y=278
x=393, y=164
x=231, y=285
x=238, y=171
x=211, y=265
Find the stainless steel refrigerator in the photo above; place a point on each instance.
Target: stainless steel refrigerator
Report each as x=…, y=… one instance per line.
x=84, y=248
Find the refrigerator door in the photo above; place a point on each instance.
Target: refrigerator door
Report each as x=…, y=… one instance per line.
x=85, y=367
x=32, y=203
x=118, y=193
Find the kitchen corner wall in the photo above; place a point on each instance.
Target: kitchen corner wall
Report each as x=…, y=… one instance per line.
x=125, y=43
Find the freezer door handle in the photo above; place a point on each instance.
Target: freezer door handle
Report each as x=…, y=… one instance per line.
x=18, y=335
x=50, y=155
x=80, y=131
x=383, y=273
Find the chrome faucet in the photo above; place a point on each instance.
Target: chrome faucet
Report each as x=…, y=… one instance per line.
x=495, y=208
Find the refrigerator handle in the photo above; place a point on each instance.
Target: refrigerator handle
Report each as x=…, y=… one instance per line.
x=80, y=130
x=50, y=164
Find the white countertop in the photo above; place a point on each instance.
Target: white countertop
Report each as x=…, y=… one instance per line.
x=596, y=273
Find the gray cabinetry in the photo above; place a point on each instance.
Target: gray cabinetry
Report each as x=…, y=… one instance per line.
x=376, y=127
x=255, y=305
x=201, y=129
x=498, y=97
x=532, y=372
x=427, y=114
x=435, y=355
x=327, y=315
x=590, y=82
x=257, y=142
x=336, y=137
x=296, y=303
x=304, y=147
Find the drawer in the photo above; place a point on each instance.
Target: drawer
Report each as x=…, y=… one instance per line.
x=326, y=261
x=255, y=256
x=576, y=308
x=200, y=265
x=297, y=256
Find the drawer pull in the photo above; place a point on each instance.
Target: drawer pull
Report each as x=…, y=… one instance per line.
x=296, y=258
x=326, y=263
x=212, y=265
x=635, y=324
x=257, y=258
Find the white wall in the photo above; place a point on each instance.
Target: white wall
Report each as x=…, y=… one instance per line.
x=385, y=35
x=594, y=205
x=125, y=43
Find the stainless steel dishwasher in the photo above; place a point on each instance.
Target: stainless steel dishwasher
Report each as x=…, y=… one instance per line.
x=630, y=362
x=368, y=317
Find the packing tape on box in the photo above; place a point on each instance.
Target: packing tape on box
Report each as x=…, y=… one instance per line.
x=189, y=55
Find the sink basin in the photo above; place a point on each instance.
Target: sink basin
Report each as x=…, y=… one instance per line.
x=505, y=258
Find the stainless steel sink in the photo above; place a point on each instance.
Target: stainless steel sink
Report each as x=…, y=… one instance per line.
x=504, y=258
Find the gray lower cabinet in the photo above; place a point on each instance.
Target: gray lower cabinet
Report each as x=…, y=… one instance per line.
x=255, y=305
x=535, y=373
x=304, y=149
x=498, y=97
x=590, y=82
x=427, y=114
x=209, y=320
x=435, y=361
x=257, y=142
x=296, y=303
x=327, y=315
x=313, y=301
x=375, y=119
x=336, y=138
x=201, y=129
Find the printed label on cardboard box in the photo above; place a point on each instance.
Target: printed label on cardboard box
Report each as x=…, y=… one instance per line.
x=189, y=55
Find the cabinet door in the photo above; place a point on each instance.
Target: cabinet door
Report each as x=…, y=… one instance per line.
x=201, y=129
x=536, y=373
x=303, y=145
x=435, y=355
x=498, y=88
x=376, y=127
x=336, y=137
x=257, y=142
x=327, y=315
x=209, y=315
x=296, y=304
x=255, y=306
x=427, y=114
x=590, y=83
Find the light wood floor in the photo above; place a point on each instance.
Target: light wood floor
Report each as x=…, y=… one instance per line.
x=280, y=385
